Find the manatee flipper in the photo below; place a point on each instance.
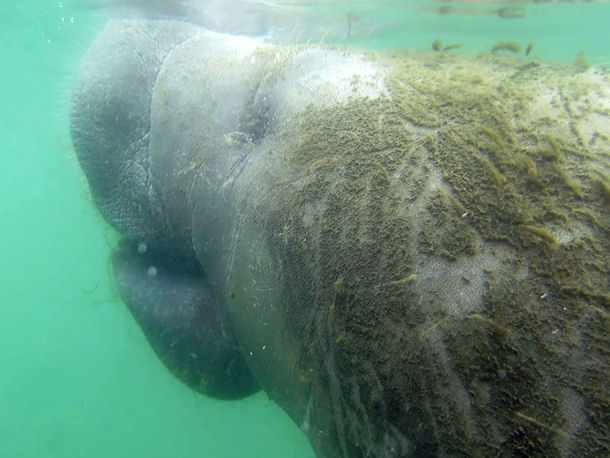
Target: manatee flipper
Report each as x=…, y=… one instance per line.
x=182, y=320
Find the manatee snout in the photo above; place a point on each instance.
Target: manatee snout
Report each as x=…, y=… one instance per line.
x=180, y=316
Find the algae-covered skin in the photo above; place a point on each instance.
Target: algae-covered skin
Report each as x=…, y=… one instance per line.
x=410, y=248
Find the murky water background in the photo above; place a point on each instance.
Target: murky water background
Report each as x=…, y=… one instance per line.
x=77, y=377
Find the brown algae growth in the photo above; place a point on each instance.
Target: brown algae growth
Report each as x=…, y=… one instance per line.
x=451, y=170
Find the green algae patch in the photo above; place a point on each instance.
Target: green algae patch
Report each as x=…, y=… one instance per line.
x=449, y=167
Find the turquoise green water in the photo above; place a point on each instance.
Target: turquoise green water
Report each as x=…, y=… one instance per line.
x=77, y=377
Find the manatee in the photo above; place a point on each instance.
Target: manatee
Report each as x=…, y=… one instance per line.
x=406, y=250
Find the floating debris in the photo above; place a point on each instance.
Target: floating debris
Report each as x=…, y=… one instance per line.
x=505, y=46
x=452, y=46
x=437, y=46
x=580, y=60
x=511, y=12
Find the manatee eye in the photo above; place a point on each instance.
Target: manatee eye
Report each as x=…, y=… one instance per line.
x=152, y=271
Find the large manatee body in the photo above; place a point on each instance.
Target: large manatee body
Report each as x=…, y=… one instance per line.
x=408, y=252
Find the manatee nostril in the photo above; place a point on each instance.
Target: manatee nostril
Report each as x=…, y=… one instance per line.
x=142, y=248
x=152, y=271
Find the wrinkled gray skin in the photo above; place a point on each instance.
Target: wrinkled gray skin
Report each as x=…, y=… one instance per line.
x=325, y=285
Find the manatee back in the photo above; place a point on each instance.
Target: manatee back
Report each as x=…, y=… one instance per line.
x=444, y=252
